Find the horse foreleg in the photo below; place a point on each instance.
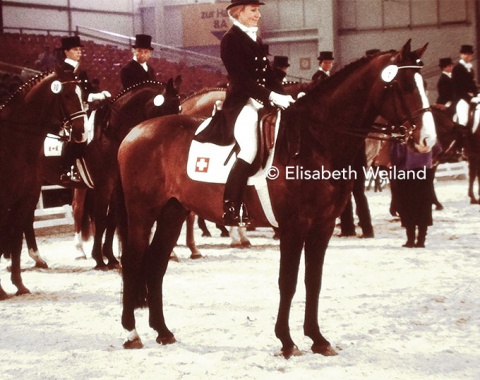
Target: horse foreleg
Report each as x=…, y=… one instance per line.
x=169, y=225
x=78, y=202
x=239, y=237
x=291, y=245
x=32, y=246
x=108, y=243
x=315, y=247
x=16, y=250
x=195, y=253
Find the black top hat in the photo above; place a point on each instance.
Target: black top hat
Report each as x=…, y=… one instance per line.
x=143, y=41
x=71, y=42
x=466, y=49
x=326, y=55
x=444, y=62
x=244, y=2
x=372, y=52
x=280, y=61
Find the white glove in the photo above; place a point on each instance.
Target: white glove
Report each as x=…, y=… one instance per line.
x=281, y=101
x=475, y=99
x=98, y=96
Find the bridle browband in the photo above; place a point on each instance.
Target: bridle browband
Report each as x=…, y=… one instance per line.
x=396, y=132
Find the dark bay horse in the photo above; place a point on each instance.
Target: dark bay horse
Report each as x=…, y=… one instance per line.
x=331, y=122
x=113, y=120
x=472, y=152
x=49, y=103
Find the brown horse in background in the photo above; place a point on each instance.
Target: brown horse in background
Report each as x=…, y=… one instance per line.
x=49, y=103
x=331, y=120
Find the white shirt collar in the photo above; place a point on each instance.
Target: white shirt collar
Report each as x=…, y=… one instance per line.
x=326, y=72
x=144, y=64
x=468, y=65
x=447, y=74
x=250, y=30
x=71, y=62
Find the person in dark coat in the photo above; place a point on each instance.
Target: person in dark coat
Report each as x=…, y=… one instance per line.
x=463, y=79
x=252, y=85
x=72, y=51
x=446, y=94
x=280, y=66
x=137, y=70
x=325, y=64
x=347, y=224
x=413, y=192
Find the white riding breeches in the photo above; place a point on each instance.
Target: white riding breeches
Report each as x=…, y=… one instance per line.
x=245, y=131
x=462, y=112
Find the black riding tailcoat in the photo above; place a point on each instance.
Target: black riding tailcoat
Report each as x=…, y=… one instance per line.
x=445, y=89
x=250, y=76
x=81, y=75
x=464, y=83
x=133, y=73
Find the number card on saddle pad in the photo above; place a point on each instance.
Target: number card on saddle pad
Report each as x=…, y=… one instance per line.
x=211, y=163
x=208, y=162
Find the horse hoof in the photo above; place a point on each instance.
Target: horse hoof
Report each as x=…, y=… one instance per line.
x=133, y=344
x=246, y=244
x=114, y=266
x=206, y=234
x=287, y=353
x=196, y=256
x=225, y=234
x=21, y=291
x=324, y=350
x=174, y=257
x=83, y=257
x=4, y=296
x=166, y=340
x=101, y=267
x=41, y=265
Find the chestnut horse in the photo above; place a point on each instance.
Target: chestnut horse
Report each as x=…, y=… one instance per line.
x=49, y=103
x=331, y=122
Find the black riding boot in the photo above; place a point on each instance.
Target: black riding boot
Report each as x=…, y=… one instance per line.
x=422, y=234
x=235, y=212
x=410, y=237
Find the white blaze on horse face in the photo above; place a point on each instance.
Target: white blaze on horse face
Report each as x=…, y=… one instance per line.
x=428, y=136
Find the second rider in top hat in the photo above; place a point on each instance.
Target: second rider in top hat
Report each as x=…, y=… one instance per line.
x=137, y=70
x=252, y=84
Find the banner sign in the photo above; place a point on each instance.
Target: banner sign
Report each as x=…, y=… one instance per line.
x=204, y=24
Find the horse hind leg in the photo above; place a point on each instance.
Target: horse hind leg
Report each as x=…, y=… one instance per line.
x=195, y=253
x=472, y=173
x=16, y=249
x=169, y=225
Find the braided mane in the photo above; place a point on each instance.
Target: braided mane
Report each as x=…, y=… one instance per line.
x=203, y=91
x=135, y=86
x=25, y=87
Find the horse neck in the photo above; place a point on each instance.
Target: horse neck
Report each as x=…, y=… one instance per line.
x=341, y=113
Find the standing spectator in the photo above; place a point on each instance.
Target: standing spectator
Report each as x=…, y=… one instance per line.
x=413, y=192
x=137, y=70
x=347, y=224
x=325, y=64
x=46, y=60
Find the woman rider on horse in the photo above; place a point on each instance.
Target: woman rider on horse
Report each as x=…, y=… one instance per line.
x=252, y=84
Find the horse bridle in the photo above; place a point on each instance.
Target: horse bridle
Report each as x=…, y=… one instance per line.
x=67, y=119
x=398, y=132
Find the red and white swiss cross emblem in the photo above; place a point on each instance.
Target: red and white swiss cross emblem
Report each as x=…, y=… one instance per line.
x=201, y=166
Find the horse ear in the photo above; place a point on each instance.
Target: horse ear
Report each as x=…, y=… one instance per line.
x=406, y=50
x=178, y=81
x=419, y=52
x=170, y=87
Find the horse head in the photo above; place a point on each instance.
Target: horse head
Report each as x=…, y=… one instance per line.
x=400, y=98
x=67, y=102
x=166, y=102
